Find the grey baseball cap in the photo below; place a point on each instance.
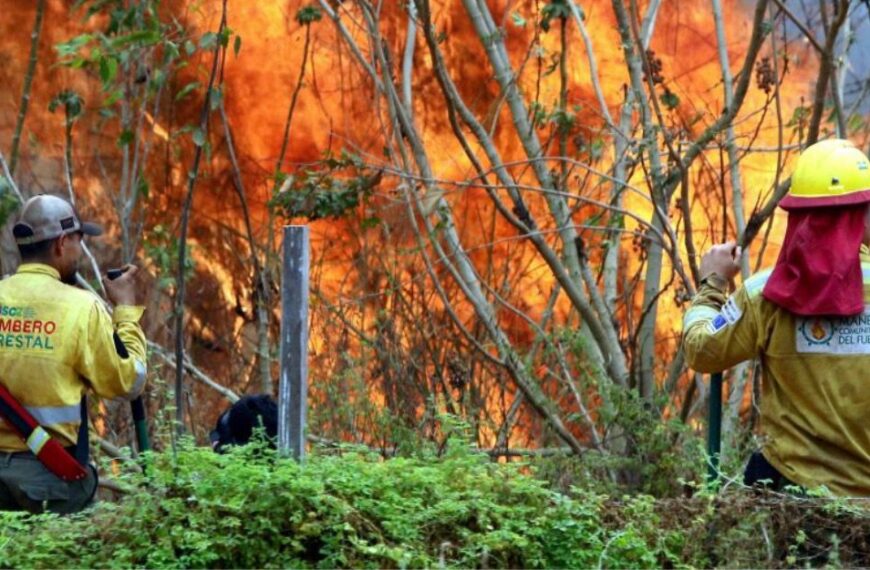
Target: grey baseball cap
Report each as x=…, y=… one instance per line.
x=45, y=217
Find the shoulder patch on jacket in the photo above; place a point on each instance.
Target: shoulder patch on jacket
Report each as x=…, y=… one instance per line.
x=729, y=314
x=718, y=323
x=731, y=311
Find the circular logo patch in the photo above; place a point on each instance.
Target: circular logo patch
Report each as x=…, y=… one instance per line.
x=817, y=331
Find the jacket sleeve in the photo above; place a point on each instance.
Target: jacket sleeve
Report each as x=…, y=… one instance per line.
x=112, y=352
x=719, y=333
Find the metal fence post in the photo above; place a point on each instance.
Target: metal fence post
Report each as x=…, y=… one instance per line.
x=293, y=385
x=714, y=428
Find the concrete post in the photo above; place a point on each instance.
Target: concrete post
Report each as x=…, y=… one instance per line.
x=293, y=384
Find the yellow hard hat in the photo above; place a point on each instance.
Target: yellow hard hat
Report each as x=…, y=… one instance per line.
x=829, y=173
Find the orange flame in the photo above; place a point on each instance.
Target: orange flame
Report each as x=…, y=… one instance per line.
x=337, y=110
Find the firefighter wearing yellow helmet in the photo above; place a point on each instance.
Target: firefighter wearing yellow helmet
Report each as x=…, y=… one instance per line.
x=808, y=320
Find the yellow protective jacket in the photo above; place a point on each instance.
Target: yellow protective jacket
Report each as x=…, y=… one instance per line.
x=815, y=402
x=57, y=342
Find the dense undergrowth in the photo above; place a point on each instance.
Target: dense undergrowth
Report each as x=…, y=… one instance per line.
x=250, y=509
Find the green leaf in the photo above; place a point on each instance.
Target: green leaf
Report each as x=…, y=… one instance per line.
x=854, y=123
x=142, y=187
x=237, y=45
x=518, y=20
x=308, y=14
x=71, y=101
x=564, y=120
x=799, y=115
x=182, y=131
x=113, y=97
x=186, y=90
x=158, y=78
x=72, y=47
x=76, y=62
x=170, y=51
x=126, y=137
x=370, y=222
x=555, y=9
x=208, y=41
x=189, y=47
x=108, y=69
x=94, y=8
x=670, y=100
x=224, y=36
x=214, y=101
x=198, y=137
x=596, y=149
x=142, y=37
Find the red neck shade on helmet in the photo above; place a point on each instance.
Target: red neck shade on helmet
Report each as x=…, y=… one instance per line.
x=818, y=272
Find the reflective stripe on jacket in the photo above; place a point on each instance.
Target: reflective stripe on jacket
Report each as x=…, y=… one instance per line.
x=57, y=342
x=815, y=399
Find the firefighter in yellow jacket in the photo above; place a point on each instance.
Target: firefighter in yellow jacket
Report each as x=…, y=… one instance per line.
x=58, y=342
x=808, y=321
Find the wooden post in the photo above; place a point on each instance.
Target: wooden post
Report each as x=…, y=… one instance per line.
x=293, y=385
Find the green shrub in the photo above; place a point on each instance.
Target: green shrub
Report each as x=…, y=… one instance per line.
x=251, y=509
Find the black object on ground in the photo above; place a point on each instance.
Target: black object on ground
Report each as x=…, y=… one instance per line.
x=237, y=425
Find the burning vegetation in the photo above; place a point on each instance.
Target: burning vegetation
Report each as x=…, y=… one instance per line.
x=506, y=199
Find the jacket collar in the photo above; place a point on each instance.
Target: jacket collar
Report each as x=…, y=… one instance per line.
x=39, y=269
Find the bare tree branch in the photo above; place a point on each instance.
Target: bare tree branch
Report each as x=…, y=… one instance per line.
x=28, y=82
